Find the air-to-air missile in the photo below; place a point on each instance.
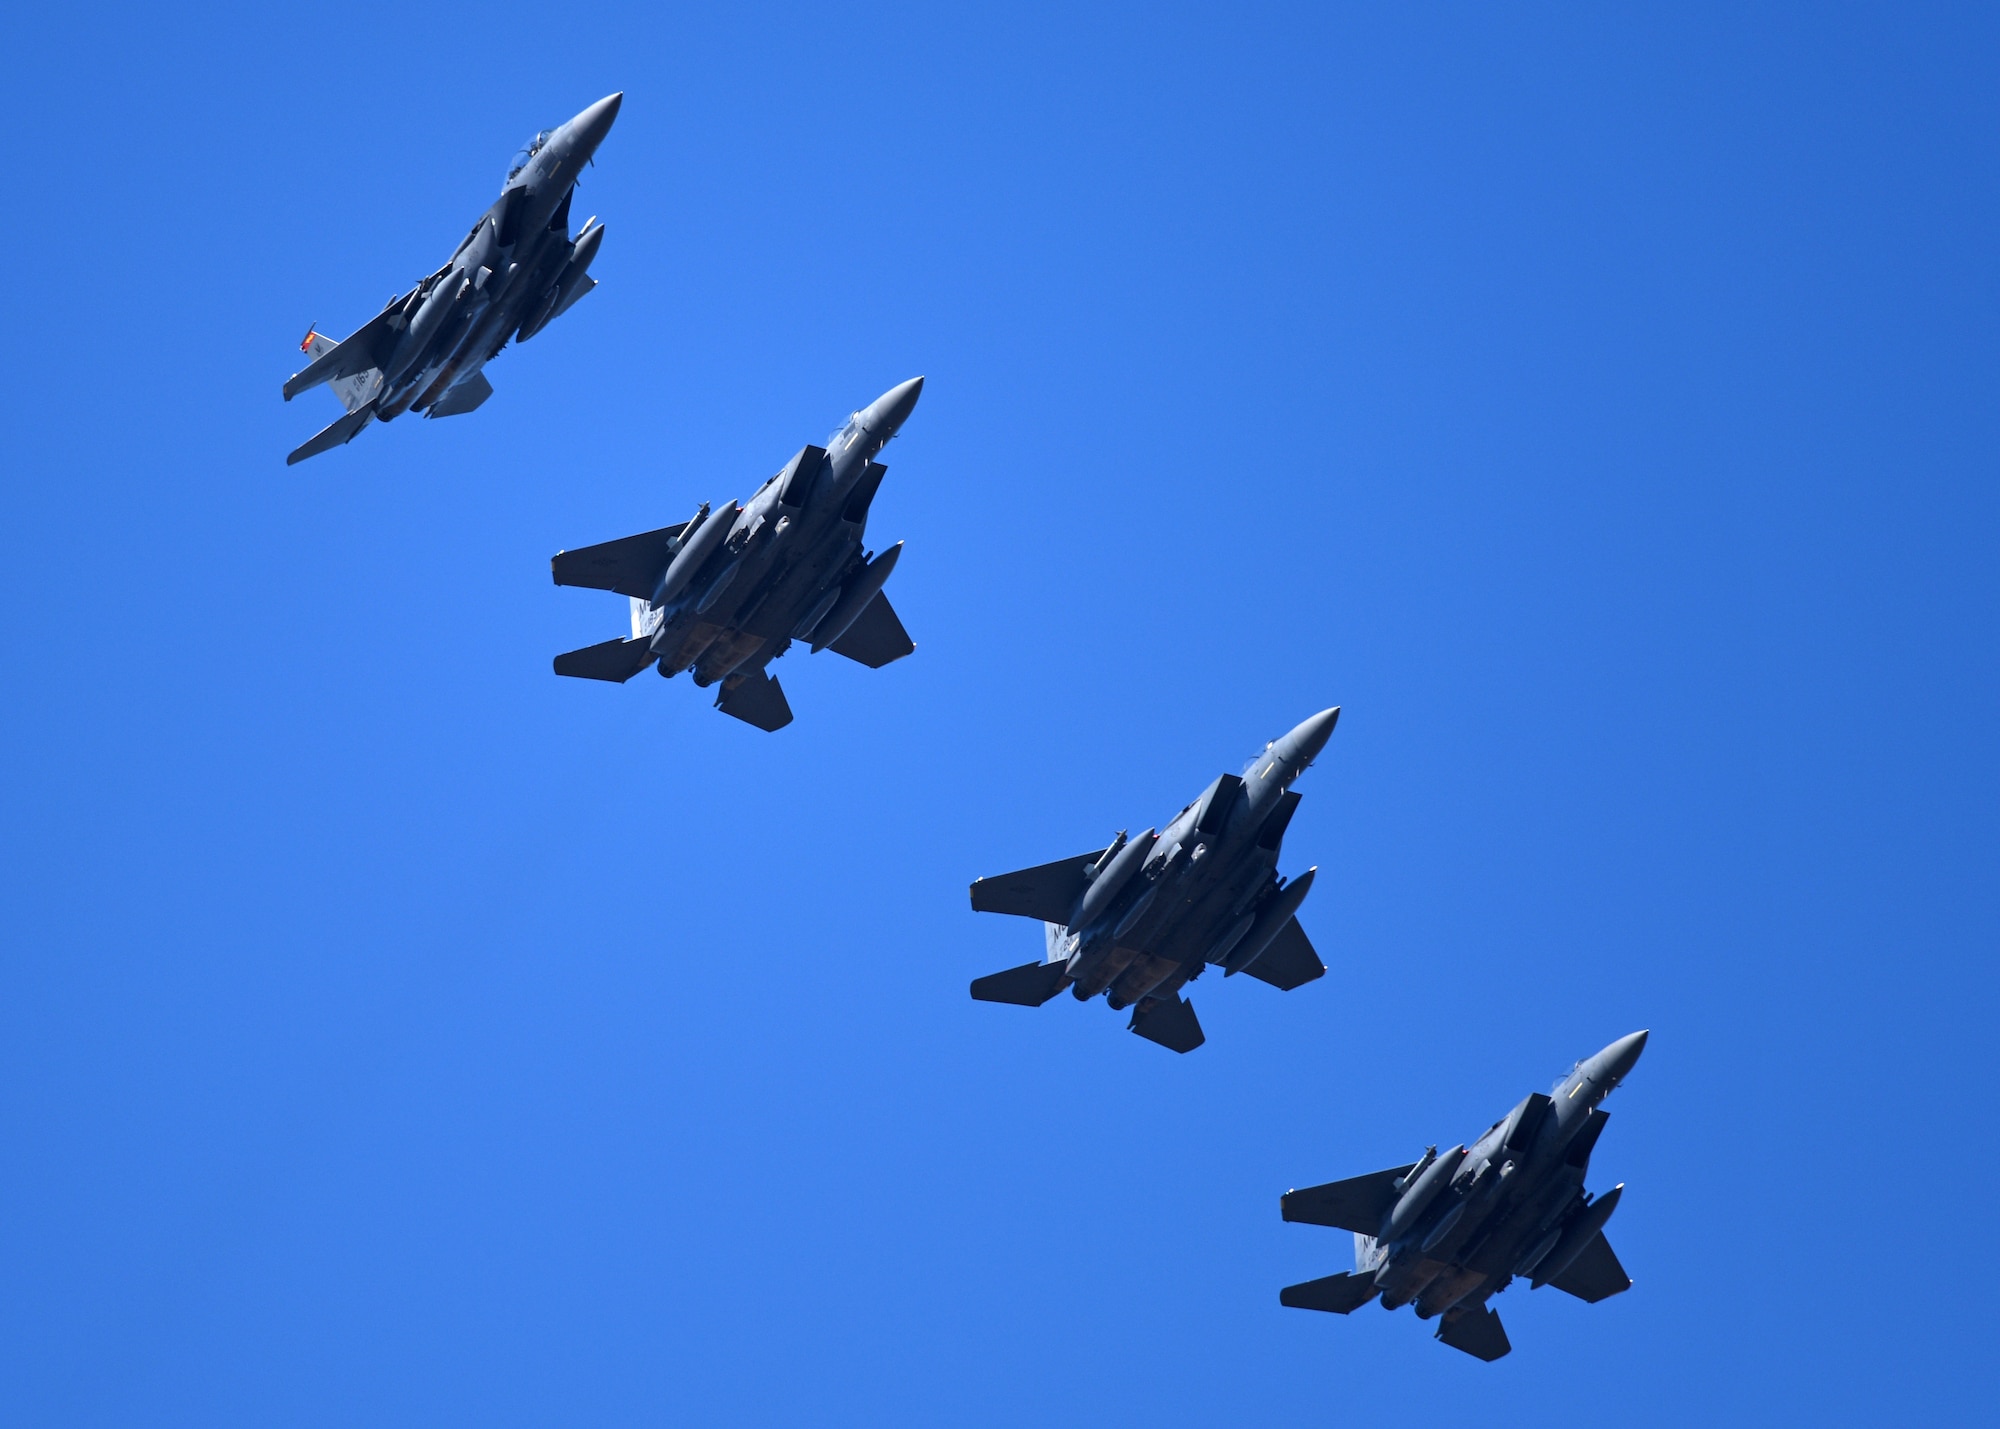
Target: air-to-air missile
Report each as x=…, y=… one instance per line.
x=516, y=272
x=1450, y=1231
x=727, y=593
x=1142, y=918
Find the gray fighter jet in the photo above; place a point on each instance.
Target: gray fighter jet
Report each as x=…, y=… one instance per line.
x=728, y=592
x=515, y=273
x=1141, y=919
x=1451, y=1231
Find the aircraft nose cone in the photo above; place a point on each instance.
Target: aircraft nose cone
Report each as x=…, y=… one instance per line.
x=1612, y=1064
x=595, y=122
x=889, y=411
x=1310, y=737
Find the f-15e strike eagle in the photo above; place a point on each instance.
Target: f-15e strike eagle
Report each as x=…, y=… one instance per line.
x=728, y=592
x=1449, y=1232
x=1140, y=920
x=515, y=273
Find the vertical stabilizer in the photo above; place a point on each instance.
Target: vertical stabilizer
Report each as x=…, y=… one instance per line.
x=1058, y=941
x=356, y=389
x=1368, y=1255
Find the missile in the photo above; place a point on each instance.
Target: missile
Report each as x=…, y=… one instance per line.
x=1580, y=1233
x=1111, y=881
x=695, y=550
x=1412, y=1204
x=854, y=599
x=1271, y=920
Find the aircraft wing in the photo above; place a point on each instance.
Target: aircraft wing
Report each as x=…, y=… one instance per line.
x=631, y=565
x=1048, y=891
x=465, y=396
x=1289, y=962
x=876, y=637
x=1357, y=1204
x=1596, y=1274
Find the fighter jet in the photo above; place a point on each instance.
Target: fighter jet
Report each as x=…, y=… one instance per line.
x=728, y=592
x=1451, y=1231
x=515, y=273
x=1141, y=919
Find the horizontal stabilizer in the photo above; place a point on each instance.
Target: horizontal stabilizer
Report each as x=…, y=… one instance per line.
x=1171, y=1024
x=356, y=391
x=466, y=395
x=1595, y=1274
x=370, y=347
x=1289, y=962
x=630, y=565
x=1047, y=891
x=614, y=660
x=876, y=637
x=1357, y=1204
x=339, y=434
x=1478, y=1332
x=1341, y=1294
x=1029, y=985
x=755, y=698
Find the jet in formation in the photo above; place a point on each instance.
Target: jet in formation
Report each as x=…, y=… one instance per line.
x=1141, y=919
x=515, y=273
x=1451, y=1231
x=728, y=592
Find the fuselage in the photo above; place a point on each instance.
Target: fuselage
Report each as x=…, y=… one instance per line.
x=778, y=565
x=1504, y=1205
x=1198, y=888
x=509, y=275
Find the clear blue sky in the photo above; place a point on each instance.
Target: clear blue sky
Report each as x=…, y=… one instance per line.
x=1597, y=403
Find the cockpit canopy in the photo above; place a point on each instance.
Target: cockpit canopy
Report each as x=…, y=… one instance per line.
x=526, y=152
x=1258, y=759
